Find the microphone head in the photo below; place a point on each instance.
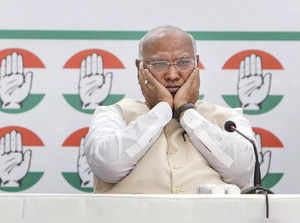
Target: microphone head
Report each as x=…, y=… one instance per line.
x=229, y=126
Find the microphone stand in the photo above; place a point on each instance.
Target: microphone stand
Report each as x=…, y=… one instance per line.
x=257, y=188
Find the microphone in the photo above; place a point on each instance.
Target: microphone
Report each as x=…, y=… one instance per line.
x=230, y=126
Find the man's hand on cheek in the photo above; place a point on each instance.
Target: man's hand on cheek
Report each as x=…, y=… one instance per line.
x=189, y=91
x=153, y=91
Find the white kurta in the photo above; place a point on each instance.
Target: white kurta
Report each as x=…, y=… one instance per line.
x=119, y=139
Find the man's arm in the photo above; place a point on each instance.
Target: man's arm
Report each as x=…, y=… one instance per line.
x=228, y=153
x=113, y=148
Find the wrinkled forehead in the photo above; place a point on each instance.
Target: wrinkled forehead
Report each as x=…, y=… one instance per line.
x=168, y=41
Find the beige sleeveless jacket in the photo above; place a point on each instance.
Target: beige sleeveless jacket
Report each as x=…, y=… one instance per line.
x=172, y=164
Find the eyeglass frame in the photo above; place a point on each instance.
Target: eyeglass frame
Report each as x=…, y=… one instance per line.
x=170, y=64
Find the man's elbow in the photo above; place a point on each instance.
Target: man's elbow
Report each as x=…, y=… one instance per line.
x=105, y=167
x=242, y=174
x=243, y=178
x=104, y=159
x=109, y=172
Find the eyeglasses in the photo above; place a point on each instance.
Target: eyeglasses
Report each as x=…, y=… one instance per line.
x=161, y=66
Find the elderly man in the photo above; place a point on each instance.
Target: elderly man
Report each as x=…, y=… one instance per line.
x=173, y=142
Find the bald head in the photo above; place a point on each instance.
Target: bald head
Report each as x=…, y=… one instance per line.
x=156, y=35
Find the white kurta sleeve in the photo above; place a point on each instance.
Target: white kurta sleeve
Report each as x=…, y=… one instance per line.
x=228, y=153
x=113, y=148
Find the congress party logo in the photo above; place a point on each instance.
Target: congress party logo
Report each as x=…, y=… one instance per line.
x=16, y=80
x=17, y=147
x=94, y=83
x=254, y=81
x=267, y=143
x=82, y=177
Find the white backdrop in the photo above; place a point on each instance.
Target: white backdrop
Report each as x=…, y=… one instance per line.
x=51, y=167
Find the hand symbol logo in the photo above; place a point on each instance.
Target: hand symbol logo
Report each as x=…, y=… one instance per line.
x=253, y=87
x=15, y=86
x=14, y=162
x=83, y=168
x=264, y=157
x=94, y=85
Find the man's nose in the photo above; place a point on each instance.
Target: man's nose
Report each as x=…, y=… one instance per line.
x=172, y=73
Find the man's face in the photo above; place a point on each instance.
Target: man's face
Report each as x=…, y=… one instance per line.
x=170, y=58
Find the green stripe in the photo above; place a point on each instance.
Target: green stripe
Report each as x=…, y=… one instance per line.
x=264, y=36
x=70, y=35
x=136, y=35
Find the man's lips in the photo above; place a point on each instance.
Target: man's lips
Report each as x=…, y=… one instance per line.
x=173, y=89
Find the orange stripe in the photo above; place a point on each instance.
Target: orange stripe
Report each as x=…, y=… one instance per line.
x=29, y=138
x=268, y=61
x=110, y=61
x=268, y=139
x=74, y=138
x=29, y=59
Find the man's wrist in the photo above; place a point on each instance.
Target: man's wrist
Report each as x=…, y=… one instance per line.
x=181, y=109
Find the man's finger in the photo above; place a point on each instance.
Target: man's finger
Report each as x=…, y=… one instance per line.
x=141, y=75
x=149, y=77
x=100, y=67
x=7, y=143
x=189, y=91
x=8, y=64
x=197, y=82
x=247, y=66
x=13, y=136
x=3, y=68
x=192, y=82
x=194, y=77
x=19, y=142
x=20, y=68
x=253, y=64
x=88, y=65
x=14, y=67
x=94, y=63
